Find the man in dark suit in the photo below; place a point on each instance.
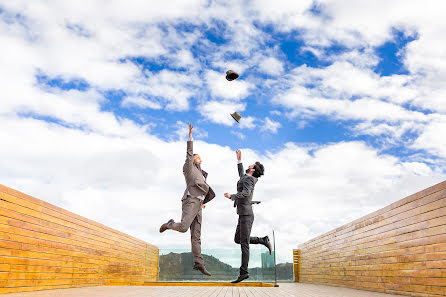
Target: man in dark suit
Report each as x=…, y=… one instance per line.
x=243, y=202
x=197, y=193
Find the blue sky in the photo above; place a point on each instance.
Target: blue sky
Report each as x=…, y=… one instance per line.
x=345, y=109
x=289, y=50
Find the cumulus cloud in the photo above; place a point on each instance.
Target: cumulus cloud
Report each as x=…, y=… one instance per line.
x=221, y=88
x=52, y=134
x=346, y=92
x=238, y=134
x=271, y=66
x=220, y=112
x=270, y=126
x=140, y=102
x=134, y=183
x=431, y=138
x=247, y=122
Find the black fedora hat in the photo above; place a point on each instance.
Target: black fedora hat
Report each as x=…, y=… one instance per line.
x=231, y=75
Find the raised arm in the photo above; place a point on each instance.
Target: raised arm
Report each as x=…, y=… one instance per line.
x=190, y=149
x=247, y=185
x=241, y=172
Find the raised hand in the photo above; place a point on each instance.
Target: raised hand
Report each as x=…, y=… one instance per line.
x=239, y=154
x=191, y=129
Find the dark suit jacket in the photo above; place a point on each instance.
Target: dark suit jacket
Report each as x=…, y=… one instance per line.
x=245, y=190
x=195, y=183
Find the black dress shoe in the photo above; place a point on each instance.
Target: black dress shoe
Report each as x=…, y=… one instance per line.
x=240, y=278
x=267, y=243
x=202, y=269
x=164, y=226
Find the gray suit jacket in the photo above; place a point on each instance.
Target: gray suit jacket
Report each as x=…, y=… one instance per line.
x=196, y=184
x=245, y=190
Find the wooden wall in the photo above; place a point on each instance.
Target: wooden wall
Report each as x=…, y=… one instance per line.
x=400, y=249
x=43, y=246
x=296, y=265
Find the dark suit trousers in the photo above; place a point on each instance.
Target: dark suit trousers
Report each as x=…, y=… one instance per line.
x=243, y=237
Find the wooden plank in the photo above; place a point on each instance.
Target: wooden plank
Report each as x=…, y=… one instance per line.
x=9, y=202
x=89, y=256
x=411, y=247
x=49, y=222
x=43, y=247
x=439, y=201
x=44, y=234
x=400, y=248
x=10, y=247
x=423, y=218
x=377, y=217
x=46, y=205
x=416, y=230
x=209, y=284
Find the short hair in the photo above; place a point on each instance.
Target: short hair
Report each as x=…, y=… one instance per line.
x=258, y=170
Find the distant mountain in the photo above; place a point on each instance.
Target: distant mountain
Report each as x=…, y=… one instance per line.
x=179, y=267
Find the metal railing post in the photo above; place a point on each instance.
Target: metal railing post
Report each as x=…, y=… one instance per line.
x=275, y=265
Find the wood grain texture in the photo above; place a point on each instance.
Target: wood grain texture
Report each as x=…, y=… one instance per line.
x=208, y=284
x=399, y=249
x=296, y=265
x=43, y=246
x=284, y=290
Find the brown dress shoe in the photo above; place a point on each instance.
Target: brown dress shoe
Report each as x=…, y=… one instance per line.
x=164, y=226
x=202, y=269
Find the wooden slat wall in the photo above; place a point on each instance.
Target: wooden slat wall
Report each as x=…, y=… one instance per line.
x=296, y=265
x=43, y=246
x=400, y=249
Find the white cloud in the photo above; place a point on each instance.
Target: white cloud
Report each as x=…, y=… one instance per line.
x=285, y=14
x=134, y=182
x=182, y=131
x=271, y=66
x=220, y=112
x=432, y=138
x=175, y=88
x=140, y=102
x=270, y=126
x=133, y=174
x=98, y=54
x=238, y=134
x=344, y=91
x=247, y=122
x=221, y=88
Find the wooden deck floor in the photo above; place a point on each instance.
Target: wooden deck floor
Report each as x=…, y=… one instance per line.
x=285, y=289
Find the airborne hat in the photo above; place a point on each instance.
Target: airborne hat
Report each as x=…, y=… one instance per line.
x=236, y=116
x=231, y=75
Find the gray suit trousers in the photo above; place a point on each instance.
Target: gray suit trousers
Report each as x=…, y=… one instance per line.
x=191, y=218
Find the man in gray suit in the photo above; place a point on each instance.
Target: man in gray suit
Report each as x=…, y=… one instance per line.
x=243, y=202
x=197, y=193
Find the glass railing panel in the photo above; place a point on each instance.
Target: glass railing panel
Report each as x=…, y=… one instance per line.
x=223, y=264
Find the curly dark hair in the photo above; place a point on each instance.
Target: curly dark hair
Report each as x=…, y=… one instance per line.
x=259, y=169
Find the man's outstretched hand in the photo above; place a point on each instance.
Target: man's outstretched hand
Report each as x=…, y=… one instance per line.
x=191, y=129
x=227, y=195
x=239, y=154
